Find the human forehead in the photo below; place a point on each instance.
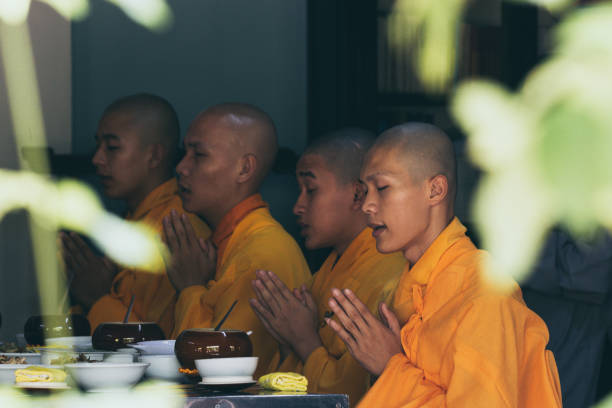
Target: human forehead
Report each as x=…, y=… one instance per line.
x=119, y=126
x=383, y=162
x=313, y=166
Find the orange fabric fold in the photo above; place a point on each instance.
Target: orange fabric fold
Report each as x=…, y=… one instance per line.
x=256, y=241
x=465, y=343
x=155, y=296
x=372, y=276
x=225, y=229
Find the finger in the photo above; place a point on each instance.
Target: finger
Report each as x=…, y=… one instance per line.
x=259, y=295
x=179, y=230
x=349, y=312
x=270, y=298
x=360, y=307
x=345, y=320
x=280, y=286
x=77, y=259
x=170, y=234
x=109, y=264
x=260, y=313
x=309, y=299
x=390, y=319
x=344, y=335
x=298, y=295
x=81, y=246
x=189, y=232
x=267, y=279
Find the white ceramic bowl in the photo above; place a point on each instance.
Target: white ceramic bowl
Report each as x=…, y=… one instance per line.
x=162, y=367
x=243, y=367
x=75, y=342
x=106, y=375
x=119, y=357
x=7, y=372
x=157, y=347
x=31, y=358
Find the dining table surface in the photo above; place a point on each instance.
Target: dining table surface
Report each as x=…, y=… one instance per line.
x=257, y=397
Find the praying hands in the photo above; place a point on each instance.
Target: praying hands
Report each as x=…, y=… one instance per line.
x=289, y=316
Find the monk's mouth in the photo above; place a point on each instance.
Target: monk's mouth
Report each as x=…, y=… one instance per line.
x=377, y=230
x=304, y=229
x=105, y=179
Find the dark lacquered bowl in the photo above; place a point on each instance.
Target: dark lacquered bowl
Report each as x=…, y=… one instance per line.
x=37, y=328
x=115, y=335
x=195, y=344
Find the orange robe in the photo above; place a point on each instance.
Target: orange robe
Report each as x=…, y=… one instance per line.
x=373, y=277
x=466, y=345
x=154, y=294
x=247, y=239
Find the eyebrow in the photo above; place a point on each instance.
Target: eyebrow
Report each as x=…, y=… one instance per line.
x=306, y=174
x=107, y=136
x=376, y=174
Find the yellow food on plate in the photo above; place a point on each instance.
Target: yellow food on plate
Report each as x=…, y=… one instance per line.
x=39, y=374
x=284, y=382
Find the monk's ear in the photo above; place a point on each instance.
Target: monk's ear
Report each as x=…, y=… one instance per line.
x=359, y=190
x=248, y=166
x=157, y=153
x=438, y=189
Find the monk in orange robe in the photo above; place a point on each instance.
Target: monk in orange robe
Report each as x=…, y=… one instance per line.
x=137, y=140
x=466, y=344
x=329, y=213
x=229, y=150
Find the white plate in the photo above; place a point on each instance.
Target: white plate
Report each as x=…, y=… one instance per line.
x=43, y=385
x=226, y=380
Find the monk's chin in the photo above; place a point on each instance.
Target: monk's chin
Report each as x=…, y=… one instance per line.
x=385, y=248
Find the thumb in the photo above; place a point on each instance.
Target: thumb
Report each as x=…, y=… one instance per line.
x=308, y=299
x=389, y=318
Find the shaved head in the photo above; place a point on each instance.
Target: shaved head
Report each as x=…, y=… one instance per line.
x=343, y=152
x=425, y=150
x=253, y=133
x=154, y=116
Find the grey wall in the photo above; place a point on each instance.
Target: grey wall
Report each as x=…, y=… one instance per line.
x=218, y=50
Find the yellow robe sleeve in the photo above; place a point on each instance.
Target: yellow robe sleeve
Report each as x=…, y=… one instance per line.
x=200, y=306
x=496, y=358
x=154, y=295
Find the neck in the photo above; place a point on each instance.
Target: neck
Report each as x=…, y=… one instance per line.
x=137, y=197
x=353, y=229
x=437, y=224
x=214, y=217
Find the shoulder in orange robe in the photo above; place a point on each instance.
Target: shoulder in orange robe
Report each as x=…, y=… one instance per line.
x=373, y=277
x=466, y=344
x=247, y=239
x=155, y=296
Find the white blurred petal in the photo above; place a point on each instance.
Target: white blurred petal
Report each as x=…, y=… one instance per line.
x=70, y=9
x=498, y=127
x=153, y=14
x=14, y=12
